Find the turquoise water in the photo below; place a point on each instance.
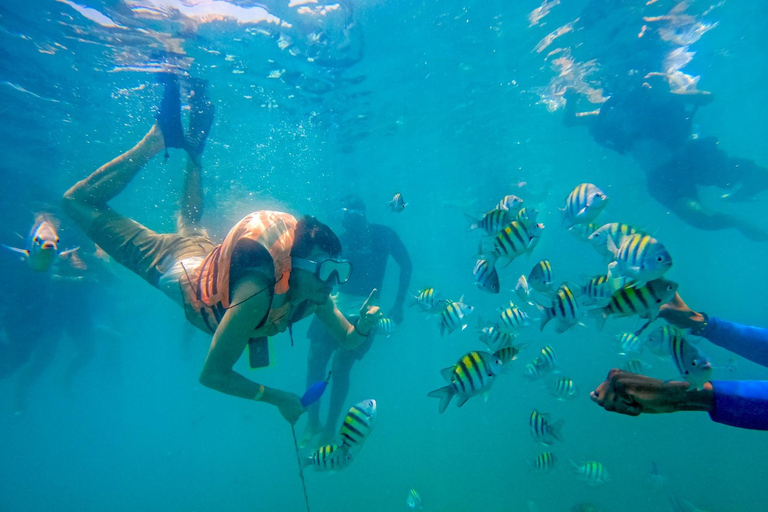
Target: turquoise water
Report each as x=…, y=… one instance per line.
x=444, y=102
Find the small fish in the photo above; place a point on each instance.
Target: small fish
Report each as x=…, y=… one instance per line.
x=548, y=358
x=330, y=457
x=563, y=388
x=486, y=277
x=540, y=278
x=644, y=301
x=542, y=430
x=397, y=204
x=522, y=290
x=636, y=366
x=414, y=500
x=543, y=463
x=616, y=231
x=594, y=473
x=692, y=364
x=454, y=316
x=473, y=374
x=516, y=239
x=491, y=222
x=527, y=215
x=507, y=354
x=629, y=343
x=42, y=247
x=385, y=326
x=640, y=258
x=583, y=205
x=583, y=231
x=533, y=370
x=598, y=290
x=512, y=319
x=358, y=424
x=496, y=339
x=509, y=202
x=429, y=301
x=565, y=310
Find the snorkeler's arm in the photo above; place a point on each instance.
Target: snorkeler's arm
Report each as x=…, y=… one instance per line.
x=348, y=335
x=697, y=215
x=746, y=341
x=402, y=258
x=742, y=404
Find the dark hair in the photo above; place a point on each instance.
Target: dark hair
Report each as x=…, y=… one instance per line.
x=311, y=233
x=353, y=202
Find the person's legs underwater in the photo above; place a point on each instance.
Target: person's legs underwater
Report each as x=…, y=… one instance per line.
x=321, y=348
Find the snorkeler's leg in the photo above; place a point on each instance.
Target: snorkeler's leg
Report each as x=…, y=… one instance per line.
x=751, y=178
x=342, y=368
x=321, y=348
x=697, y=215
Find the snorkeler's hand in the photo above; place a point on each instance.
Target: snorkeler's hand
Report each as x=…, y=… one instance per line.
x=632, y=394
x=369, y=313
x=677, y=313
x=289, y=404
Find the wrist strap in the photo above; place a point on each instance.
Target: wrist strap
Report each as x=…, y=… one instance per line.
x=358, y=331
x=260, y=393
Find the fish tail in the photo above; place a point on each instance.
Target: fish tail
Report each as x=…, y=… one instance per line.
x=445, y=394
x=600, y=316
x=554, y=430
x=546, y=316
x=473, y=222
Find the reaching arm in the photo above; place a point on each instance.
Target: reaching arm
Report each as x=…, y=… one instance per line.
x=251, y=294
x=698, y=216
x=350, y=336
x=748, y=342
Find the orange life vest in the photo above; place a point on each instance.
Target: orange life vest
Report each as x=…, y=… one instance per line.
x=206, y=287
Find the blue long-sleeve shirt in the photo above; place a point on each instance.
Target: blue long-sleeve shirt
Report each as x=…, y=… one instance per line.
x=740, y=403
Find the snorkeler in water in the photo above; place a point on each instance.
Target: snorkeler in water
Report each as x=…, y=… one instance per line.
x=655, y=127
x=368, y=247
x=270, y=271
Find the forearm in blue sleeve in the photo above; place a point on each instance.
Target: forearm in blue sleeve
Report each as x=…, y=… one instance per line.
x=742, y=404
x=748, y=342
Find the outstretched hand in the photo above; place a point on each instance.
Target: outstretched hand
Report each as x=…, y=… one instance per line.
x=632, y=394
x=369, y=313
x=677, y=313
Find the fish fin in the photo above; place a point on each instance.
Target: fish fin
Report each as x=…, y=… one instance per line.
x=582, y=211
x=447, y=373
x=612, y=247
x=69, y=251
x=554, y=430
x=473, y=222
x=486, y=395
x=600, y=316
x=546, y=316
x=444, y=394
x=462, y=400
x=442, y=329
x=23, y=252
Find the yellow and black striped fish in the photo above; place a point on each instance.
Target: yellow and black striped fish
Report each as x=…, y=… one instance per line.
x=454, y=316
x=358, y=424
x=428, y=300
x=491, y=222
x=640, y=258
x=527, y=215
x=496, y=339
x=473, y=374
x=540, y=278
x=592, y=472
x=509, y=202
x=507, y=354
x=516, y=239
x=512, y=319
x=543, y=463
x=330, y=457
x=644, y=301
x=543, y=430
x=616, y=231
x=583, y=205
x=486, y=277
x=583, y=231
x=598, y=290
x=565, y=310
x=564, y=388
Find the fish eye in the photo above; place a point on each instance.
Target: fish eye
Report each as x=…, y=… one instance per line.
x=659, y=258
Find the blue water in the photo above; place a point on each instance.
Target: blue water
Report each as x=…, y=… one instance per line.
x=444, y=102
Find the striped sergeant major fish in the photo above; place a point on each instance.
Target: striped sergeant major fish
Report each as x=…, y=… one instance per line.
x=507, y=354
x=644, y=301
x=42, y=246
x=414, y=500
x=543, y=430
x=514, y=239
x=564, y=309
x=543, y=463
x=329, y=457
x=486, y=277
x=540, y=278
x=583, y=231
x=428, y=300
x=358, y=424
x=512, y=319
x=527, y=215
x=598, y=290
x=564, y=388
x=494, y=338
x=491, y=222
x=509, y=202
x=629, y=342
x=472, y=375
x=547, y=358
x=594, y=473
x=692, y=364
x=583, y=205
x=615, y=231
x=523, y=290
x=454, y=316
x=640, y=258
x=385, y=326
x=397, y=204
